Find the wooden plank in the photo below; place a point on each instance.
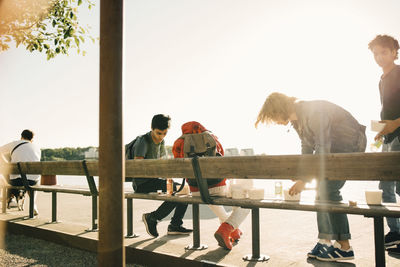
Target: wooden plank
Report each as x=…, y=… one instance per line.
x=52, y=168
x=349, y=166
x=168, y=168
x=389, y=209
x=62, y=189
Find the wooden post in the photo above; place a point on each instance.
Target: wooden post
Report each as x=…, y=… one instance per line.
x=111, y=250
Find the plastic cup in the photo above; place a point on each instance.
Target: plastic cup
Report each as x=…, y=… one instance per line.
x=373, y=197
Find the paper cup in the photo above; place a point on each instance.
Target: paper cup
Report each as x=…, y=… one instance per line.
x=377, y=126
x=373, y=197
x=288, y=197
x=239, y=193
x=256, y=193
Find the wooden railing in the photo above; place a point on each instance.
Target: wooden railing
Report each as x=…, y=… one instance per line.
x=346, y=166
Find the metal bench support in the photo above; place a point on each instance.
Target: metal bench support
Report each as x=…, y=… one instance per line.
x=53, y=207
x=255, y=235
x=379, y=242
x=129, y=219
x=196, y=230
x=28, y=189
x=94, y=193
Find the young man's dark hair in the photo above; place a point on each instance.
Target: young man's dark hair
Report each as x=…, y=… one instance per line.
x=160, y=121
x=27, y=135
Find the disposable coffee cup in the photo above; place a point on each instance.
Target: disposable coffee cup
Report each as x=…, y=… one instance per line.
x=288, y=197
x=256, y=193
x=373, y=197
x=377, y=126
x=239, y=193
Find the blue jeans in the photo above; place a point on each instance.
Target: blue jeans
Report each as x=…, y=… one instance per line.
x=166, y=207
x=332, y=226
x=390, y=188
x=335, y=226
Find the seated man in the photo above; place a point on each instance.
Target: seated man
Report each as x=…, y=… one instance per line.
x=22, y=150
x=151, y=146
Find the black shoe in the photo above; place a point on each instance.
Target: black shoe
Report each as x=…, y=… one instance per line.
x=395, y=250
x=178, y=230
x=151, y=224
x=391, y=239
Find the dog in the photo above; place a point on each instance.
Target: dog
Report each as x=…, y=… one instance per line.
x=19, y=198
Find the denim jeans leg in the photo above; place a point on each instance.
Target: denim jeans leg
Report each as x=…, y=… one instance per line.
x=332, y=226
x=390, y=187
x=389, y=196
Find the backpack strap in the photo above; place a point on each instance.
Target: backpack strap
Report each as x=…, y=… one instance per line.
x=202, y=183
x=17, y=146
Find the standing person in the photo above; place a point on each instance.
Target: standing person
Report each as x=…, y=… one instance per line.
x=385, y=49
x=22, y=150
x=151, y=146
x=323, y=127
x=228, y=232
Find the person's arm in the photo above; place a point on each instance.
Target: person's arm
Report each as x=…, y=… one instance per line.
x=320, y=125
x=140, y=149
x=297, y=187
x=390, y=127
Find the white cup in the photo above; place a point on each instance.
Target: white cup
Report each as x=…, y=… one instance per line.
x=256, y=193
x=373, y=197
x=239, y=193
x=377, y=126
x=288, y=197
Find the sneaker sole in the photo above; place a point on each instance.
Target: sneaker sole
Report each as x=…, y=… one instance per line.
x=335, y=259
x=397, y=242
x=178, y=233
x=221, y=241
x=311, y=256
x=145, y=224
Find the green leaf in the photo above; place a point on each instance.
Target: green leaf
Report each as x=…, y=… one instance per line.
x=57, y=50
x=79, y=2
x=46, y=46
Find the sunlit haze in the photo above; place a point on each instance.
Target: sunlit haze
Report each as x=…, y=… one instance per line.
x=205, y=60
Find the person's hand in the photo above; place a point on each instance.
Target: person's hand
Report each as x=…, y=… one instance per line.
x=297, y=187
x=390, y=127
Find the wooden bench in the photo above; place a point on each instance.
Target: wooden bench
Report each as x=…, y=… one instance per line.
x=350, y=166
x=91, y=190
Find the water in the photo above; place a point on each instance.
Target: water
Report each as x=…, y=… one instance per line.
x=352, y=190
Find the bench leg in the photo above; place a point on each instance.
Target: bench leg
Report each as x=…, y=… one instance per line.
x=255, y=231
x=196, y=230
x=31, y=203
x=129, y=219
x=94, y=213
x=53, y=207
x=379, y=242
x=4, y=200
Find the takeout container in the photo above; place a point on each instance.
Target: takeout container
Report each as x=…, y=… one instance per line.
x=377, y=126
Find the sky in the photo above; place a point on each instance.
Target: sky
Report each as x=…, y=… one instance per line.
x=213, y=61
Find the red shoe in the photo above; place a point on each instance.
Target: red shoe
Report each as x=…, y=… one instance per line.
x=223, y=235
x=236, y=234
